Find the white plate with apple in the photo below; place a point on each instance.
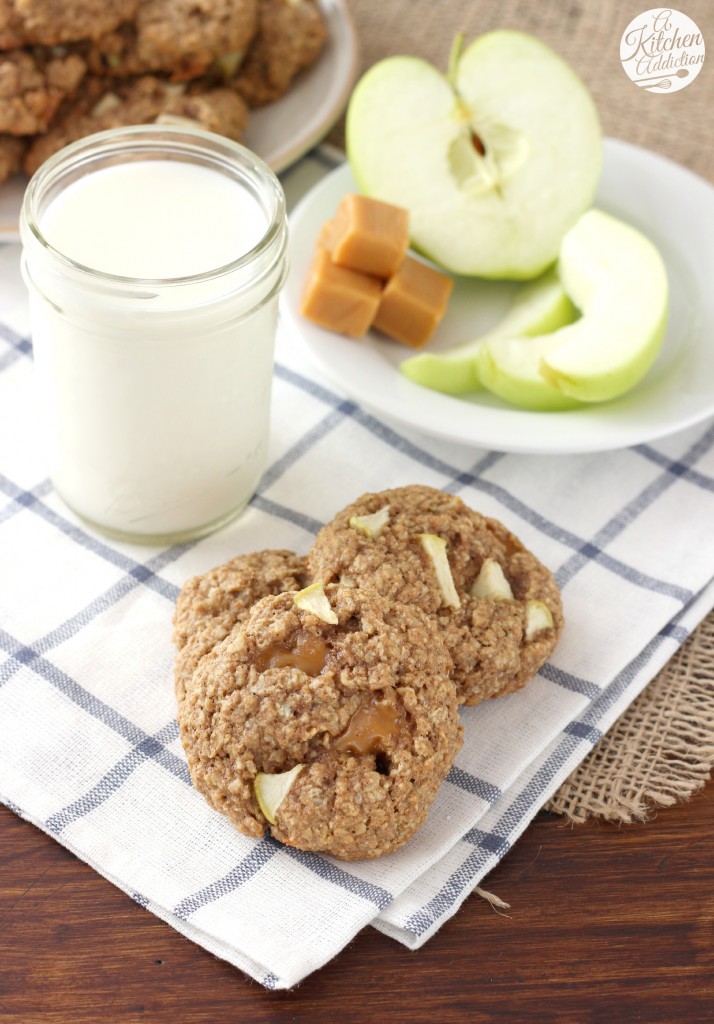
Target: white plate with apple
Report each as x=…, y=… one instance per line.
x=669, y=204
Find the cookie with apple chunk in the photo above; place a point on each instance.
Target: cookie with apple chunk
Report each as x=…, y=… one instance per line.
x=211, y=604
x=497, y=607
x=327, y=715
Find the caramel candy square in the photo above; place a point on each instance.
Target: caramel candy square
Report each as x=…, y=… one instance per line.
x=368, y=235
x=413, y=303
x=340, y=299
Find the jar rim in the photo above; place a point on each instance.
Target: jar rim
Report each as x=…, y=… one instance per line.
x=157, y=141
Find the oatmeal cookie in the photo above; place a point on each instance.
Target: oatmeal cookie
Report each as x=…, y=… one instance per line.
x=111, y=104
x=180, y=38
x=50, y=22
x=210, y=605
x=12, y=148
x=499, y=636
x=291, y=34
x=32, y=86
x=364, y=704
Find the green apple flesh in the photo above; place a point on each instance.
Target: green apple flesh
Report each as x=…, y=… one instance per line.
x=414, y=138
x=314, y=599
x=538, y=307
x=491, y=582
x=538, y=618
x=271, y=790
x=435, y=548
x=372, y=525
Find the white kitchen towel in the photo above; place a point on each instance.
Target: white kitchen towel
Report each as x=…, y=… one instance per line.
x=89, y=747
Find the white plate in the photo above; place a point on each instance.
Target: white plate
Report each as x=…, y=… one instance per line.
x=282, y=131
x=674, y=207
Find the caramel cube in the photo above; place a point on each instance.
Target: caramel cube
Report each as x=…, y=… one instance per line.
x=369, y=235
x=340, y=299
x=325, y=240
x=413, y=303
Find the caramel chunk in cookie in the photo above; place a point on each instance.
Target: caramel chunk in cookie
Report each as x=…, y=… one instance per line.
x=210, y=605
x=355, y=751
x=427, y=548
x=32, y=86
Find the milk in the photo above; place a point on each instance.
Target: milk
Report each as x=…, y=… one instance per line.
x=153, y=294
x=154, y=219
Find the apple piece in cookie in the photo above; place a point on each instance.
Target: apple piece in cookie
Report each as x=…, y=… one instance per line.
x=538, y=618
x=271, y=790
x=537, y=308
x=314, y=599
x=435, y=548
x=491, y=582
x=494, y=162
x=371, y=525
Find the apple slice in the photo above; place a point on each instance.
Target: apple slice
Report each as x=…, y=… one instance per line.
x=537, y=308
x=511, y=369
x=616, y=276
x=314, y=599
x=538, y=618
x=435, y=547
x=494, y=162
x=491, y=582
x=271, y=790
x=371, y=525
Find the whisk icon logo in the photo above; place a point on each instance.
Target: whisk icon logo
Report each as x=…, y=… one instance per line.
x=662, y=50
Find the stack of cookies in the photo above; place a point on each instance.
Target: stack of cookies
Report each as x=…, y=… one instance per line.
x=319, y=696
x=81, y=66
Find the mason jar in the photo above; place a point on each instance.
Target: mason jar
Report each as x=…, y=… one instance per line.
x=154, y=256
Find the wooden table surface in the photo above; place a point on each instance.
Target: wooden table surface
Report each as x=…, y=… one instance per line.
x=607, y=924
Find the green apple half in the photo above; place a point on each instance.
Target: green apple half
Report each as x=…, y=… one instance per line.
x=617, y=278
x=538, y=307
x=494, y=162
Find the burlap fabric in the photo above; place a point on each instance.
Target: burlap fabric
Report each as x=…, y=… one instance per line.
x=662, y=749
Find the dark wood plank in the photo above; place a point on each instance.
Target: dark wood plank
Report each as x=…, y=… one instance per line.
x=607, y=924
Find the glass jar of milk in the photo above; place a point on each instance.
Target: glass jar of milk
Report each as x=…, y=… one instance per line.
x=154, y=256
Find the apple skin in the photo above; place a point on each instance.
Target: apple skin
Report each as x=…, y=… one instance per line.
x=409, y=138
x=539, y=307
x=617, y=278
